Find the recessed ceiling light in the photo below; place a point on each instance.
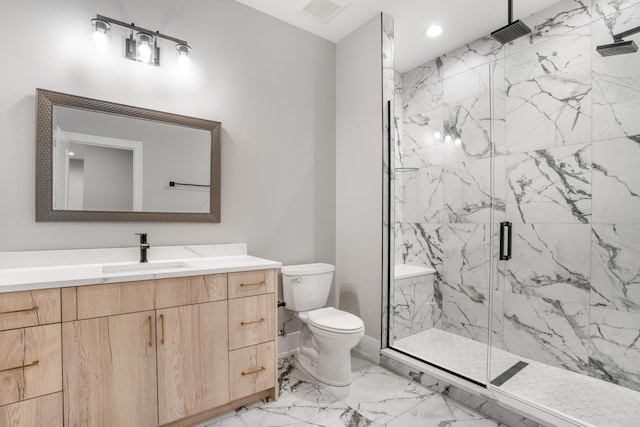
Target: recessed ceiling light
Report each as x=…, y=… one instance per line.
x=71, y=153
x=434, y=31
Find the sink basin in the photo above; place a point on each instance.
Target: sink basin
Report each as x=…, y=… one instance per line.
x=144, y=266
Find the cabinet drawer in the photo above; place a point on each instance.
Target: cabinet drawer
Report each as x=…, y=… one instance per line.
x=29, y=308
x=247, y=283
x=251, y=320
x=113, y=298
x=251, y=369
x=43, y=411
x=179, y=291
x=30, y=363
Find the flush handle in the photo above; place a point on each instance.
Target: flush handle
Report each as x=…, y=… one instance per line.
x=297, y=279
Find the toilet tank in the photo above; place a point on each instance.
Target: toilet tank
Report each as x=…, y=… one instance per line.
x=306, y=287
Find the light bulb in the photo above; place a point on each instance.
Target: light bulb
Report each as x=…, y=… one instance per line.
x=100, y=40
x=145, y=47
x=458, y=141
x=184, y=58
x=447, y=138
x=437, y=135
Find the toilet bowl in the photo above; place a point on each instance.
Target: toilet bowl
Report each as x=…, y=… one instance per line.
x=327, y=334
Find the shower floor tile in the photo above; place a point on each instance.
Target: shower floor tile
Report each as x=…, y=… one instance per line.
x=590, y=400
x=377, y=397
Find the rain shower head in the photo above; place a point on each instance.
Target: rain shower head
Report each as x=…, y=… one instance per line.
x=617, y=48
x=511, y=31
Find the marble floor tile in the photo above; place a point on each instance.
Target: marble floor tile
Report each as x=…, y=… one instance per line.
x=438, y=410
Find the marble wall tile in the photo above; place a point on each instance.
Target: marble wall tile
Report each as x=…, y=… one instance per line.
x=549, y=110
x=422, y=88
x=468, y=123
x=546, y=330
x=467, y=191
x=471, y=56
x=614, y=351
x=550, y=186
x=553, y=21
x=465, y=312
x=420, y=146
x=616, y=80
x=616, y=181
x=417, y=307
x=423, y=197
x=615, y=267
x=603, y=8
x=549, y=261
x=422, y=244
x=466, y=84
x=549, y=56
x=467, y=255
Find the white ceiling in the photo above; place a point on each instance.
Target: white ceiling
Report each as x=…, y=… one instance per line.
x=462, y=20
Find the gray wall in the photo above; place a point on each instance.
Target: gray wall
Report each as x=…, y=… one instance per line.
x=359, y=175
x=108, y=179
x=271, y=85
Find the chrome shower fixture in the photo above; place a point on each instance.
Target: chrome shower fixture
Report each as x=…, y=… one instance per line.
x=619, y=46
x=511, y=31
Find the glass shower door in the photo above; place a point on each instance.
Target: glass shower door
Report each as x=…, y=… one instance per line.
x=440, y=298
x=566, y=308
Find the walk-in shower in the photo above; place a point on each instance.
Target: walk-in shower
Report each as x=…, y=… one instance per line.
x=537, y=138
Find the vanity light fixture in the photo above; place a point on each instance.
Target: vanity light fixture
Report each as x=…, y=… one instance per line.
x=142, y=47
x=100, y=33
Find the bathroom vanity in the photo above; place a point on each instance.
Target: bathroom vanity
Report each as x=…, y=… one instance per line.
x=168, y=346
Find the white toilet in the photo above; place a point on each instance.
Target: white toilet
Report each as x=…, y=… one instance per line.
x=328, y=334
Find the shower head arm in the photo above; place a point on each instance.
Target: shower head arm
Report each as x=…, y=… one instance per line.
x=619, y=37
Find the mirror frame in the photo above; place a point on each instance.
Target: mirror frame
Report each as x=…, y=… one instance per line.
x=46, y=100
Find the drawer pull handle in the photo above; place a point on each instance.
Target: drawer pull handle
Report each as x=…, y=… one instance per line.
x=162, y=323
x=34, y=363
x=262, y=368
x=262, y=319
x=242, y=285
x=150, y=332
x=26, y=310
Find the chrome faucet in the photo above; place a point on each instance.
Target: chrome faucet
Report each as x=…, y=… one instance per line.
x=143, y=246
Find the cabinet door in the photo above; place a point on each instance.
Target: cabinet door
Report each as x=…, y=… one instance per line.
x=251, y=320
x=192, y=359
x=109, y=366
x=251, y=369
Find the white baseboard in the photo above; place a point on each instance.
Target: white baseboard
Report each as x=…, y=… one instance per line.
x=368, y=348
x=288, y=344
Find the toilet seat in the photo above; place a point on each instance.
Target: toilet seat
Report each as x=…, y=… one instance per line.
x=333, y=320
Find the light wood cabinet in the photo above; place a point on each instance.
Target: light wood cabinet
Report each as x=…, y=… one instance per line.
x=251, y=320
x=110, y=371
x=192, y=359
x=29, y=308
x=30, y=363
x=39, y=412
x=146, y=353
x=251, y=369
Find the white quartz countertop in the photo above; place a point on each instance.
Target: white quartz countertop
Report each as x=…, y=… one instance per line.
x=57, y=276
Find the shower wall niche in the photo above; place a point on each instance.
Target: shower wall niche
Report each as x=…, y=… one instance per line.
x=544, y=133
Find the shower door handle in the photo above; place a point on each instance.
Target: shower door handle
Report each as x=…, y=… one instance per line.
x=505, y=241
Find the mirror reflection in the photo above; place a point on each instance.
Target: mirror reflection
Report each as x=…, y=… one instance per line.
x=111, y=163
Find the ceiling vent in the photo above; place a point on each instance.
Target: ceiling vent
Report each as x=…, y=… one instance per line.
x=322, y=10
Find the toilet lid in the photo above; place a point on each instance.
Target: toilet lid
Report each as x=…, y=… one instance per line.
x=336, y=320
